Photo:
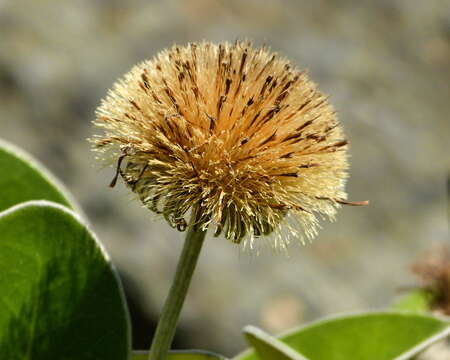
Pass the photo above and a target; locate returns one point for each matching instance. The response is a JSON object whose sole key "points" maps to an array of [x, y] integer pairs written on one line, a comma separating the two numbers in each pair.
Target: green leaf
{"points": [[181, 355], [416, 301], [268, 347], [22, 178], [60, 297], [367, 336]]}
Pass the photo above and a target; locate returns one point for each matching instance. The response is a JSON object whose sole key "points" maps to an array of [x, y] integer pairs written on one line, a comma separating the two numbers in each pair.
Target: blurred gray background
{"points": [[386, 67]]}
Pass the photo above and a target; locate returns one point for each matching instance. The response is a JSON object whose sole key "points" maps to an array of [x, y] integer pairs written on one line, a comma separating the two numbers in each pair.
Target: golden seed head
{"points": [[231, 135]]}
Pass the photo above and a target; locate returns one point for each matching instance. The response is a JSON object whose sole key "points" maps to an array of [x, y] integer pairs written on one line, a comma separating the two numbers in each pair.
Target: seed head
{"points": [[233, 136]]}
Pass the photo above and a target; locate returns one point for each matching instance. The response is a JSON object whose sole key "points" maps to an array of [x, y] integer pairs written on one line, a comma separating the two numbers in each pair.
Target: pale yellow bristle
{"points": [[229, 134]]}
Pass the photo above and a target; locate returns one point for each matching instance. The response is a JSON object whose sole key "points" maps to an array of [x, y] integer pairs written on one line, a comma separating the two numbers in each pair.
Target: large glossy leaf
{"points": [[60, 298], [22, 178], [182, 355], [369, 336]]}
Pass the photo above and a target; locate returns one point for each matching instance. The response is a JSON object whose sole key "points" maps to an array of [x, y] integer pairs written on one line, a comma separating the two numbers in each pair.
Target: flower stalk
{"points": [[171, 311]]}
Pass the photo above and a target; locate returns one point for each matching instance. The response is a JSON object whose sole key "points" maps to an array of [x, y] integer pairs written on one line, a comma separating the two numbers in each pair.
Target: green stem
{"points": [[174, 302]]}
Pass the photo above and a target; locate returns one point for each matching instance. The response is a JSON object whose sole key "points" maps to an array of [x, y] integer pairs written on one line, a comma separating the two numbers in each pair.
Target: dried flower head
{"points": [[433, 271], [229, 134]]}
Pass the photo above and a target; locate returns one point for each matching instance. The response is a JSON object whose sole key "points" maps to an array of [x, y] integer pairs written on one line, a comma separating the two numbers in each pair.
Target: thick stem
{"points": [[174, 302]]}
